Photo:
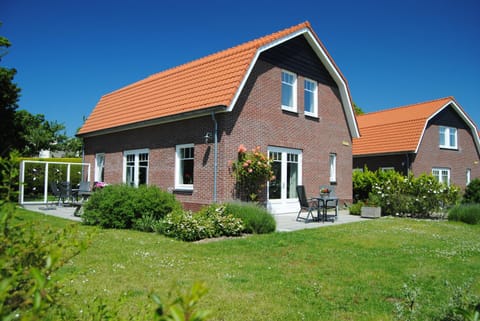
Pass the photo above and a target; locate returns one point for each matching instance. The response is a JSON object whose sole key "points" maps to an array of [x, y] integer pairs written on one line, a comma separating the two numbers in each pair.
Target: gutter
{"points": [[215, 156], [157, 121]]}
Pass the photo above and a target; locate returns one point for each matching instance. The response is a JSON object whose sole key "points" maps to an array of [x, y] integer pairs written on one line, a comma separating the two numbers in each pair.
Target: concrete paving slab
{"points": [[285, 222]]}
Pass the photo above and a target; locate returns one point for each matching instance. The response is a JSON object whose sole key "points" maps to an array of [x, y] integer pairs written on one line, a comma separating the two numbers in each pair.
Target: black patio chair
{"points": [[84, 190], [56, 192], [309, 205], [65, 192]]}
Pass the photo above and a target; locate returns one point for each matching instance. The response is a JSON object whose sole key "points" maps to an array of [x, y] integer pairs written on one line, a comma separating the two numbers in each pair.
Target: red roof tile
{"points": [[395, 130], [203, 83]]}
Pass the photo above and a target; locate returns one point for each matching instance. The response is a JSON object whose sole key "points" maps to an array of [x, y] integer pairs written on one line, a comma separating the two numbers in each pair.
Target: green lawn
{"points": [[344, 272]]}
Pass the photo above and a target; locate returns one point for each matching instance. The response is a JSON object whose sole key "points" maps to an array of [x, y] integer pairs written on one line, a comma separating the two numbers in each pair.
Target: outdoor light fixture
{"points": [[207, 137]]}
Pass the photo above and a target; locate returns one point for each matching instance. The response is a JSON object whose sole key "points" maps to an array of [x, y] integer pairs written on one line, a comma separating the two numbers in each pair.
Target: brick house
{"points": [[179, 129], [434, 137]]}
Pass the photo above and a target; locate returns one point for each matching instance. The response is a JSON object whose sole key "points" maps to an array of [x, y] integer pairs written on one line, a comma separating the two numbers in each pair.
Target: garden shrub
{"points": [[28, 257], [210, 221], [472, 192], [356, 208], [467, 213], [401, 195], [256, 219], [122, 206]]}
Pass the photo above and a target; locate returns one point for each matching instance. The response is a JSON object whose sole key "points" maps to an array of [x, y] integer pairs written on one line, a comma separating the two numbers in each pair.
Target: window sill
{"points": [[448, 148], [290, 109], [183, 190], [310, 115]]}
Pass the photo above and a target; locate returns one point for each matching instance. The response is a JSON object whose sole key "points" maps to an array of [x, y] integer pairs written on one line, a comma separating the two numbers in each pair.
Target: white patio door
{"points": [[287, 168]]}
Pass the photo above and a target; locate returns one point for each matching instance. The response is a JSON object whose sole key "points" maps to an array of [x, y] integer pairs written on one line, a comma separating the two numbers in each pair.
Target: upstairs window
{"points": [[448, 137], [310, 97], [289, 91], [184, 167]]}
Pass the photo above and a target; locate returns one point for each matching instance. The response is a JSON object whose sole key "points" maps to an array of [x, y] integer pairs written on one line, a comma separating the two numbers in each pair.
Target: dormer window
{"points": [[448, 137]]}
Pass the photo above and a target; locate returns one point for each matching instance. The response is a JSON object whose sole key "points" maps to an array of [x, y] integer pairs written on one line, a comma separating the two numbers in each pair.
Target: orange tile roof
{"points": [[395, 130], [203, 83]]}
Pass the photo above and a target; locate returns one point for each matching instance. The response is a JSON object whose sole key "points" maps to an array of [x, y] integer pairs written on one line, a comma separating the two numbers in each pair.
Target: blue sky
{"points": [[70, 53]]}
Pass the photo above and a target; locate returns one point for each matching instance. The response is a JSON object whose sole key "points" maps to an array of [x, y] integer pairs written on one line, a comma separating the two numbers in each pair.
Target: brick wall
{"points": [[457, 160], [257, 119]]}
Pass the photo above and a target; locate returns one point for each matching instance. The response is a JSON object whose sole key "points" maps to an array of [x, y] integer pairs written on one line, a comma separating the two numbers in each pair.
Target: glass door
{"points": [[286, 166]]}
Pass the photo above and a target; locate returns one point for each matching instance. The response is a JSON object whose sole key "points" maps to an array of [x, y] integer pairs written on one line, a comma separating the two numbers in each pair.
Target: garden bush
{"points": [[210, 221], [122, 206], [472, 192], [255, 219], [467, 213], [28, 258], [401, 195]]}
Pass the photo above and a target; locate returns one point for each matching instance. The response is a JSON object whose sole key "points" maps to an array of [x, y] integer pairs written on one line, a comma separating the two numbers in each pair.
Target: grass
{"points": [[343, 272]]}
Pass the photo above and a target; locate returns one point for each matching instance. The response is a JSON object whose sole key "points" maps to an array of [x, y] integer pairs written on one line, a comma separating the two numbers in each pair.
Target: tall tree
{"points": [[9, 95], [34, 133]]}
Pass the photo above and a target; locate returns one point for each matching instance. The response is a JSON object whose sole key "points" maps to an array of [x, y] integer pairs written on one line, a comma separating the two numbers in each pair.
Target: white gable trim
{"points": [[462, 115], [326, 61]]}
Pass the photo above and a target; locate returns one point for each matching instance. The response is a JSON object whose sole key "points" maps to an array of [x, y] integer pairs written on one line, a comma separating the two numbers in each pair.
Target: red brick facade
{"points": [[430, 155], [256, 120]]}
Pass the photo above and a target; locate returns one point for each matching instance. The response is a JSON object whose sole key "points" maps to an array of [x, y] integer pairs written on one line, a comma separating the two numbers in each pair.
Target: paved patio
{"points": [[285, 222]]}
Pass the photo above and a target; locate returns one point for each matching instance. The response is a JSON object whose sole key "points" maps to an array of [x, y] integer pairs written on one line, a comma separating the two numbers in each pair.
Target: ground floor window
{"points": [[100, 167], [135, 169], [184, 166], [333, 167], [442, 175]]}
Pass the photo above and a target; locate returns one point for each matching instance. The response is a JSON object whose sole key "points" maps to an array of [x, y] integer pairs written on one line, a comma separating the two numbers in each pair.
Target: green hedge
{"points": [[122, 206]]}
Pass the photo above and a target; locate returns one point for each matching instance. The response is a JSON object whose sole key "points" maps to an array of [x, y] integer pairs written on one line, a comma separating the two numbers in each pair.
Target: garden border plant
{"points": [[396, 194]]}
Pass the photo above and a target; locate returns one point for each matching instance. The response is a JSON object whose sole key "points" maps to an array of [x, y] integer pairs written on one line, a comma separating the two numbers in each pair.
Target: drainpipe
{"points": [[215, 156]]}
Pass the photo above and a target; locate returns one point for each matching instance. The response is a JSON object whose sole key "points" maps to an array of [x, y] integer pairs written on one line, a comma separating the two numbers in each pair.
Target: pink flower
{"points": [[242, 149], [250, 170], [245, 165]]}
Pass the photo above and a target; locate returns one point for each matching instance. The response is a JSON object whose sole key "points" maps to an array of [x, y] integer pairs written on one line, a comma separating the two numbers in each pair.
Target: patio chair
{"points": [[333, 203], [65, 192], [308, 205], [56, 192], [84, 190]]}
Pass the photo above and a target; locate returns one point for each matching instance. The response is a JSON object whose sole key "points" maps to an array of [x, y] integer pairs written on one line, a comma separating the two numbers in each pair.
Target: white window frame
{"points": [[437, 172], [314, 92], [332, 161], [387, 168], [136, 153], [99, 167], [469, 176], [447, 132], [178, 185], [294, 92]]}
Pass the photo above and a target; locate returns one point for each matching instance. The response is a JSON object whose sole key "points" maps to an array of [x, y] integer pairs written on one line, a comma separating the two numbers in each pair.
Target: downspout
{"points": [[215, 156]]}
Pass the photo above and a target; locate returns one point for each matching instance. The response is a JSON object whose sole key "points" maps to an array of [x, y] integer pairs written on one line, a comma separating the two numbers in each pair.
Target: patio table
{"points": [[323, 205]]}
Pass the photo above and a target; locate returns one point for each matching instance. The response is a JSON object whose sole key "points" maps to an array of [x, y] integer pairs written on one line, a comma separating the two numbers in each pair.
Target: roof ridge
{"points": [[257, 43], [406, 106]]}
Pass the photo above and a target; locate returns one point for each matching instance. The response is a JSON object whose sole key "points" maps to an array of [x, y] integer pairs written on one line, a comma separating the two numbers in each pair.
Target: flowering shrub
{"points": [[251, 170], [211, 221], [404, 195]]}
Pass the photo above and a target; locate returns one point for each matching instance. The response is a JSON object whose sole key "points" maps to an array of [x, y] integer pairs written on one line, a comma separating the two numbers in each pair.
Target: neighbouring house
{"points": [[178, 129], [435, 137]]}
